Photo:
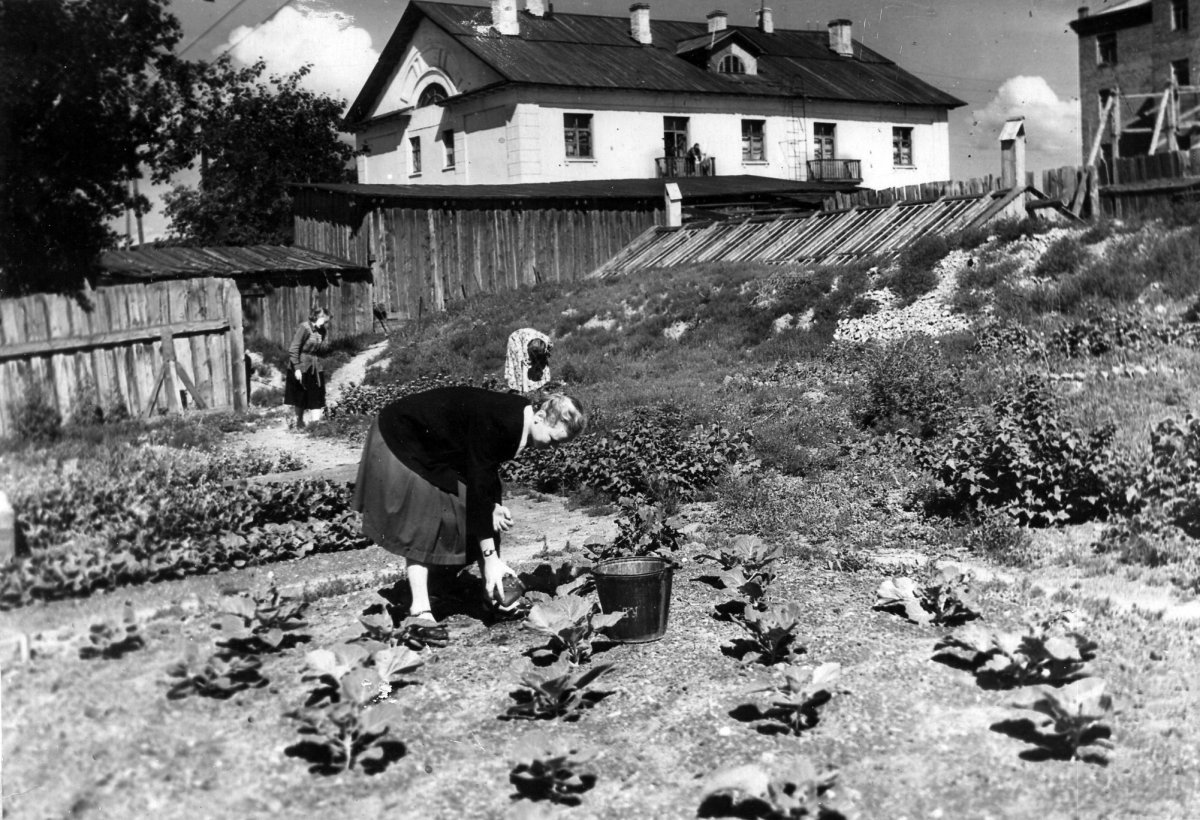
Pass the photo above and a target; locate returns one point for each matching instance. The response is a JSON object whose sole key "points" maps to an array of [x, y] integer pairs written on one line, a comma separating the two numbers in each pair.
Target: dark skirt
{"points": [[404, 513], [308, 394]]}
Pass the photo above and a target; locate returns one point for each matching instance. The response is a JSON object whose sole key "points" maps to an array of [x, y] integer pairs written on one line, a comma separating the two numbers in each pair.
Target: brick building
{"points": [[1138, 64]]}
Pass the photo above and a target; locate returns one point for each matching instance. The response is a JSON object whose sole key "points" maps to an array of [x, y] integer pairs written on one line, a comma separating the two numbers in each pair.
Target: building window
{"points": [[431, 95], [448, 149], [1106, 48], [675, 136], [1181, 72], [1179, 15], [902, 146], [824, 146], [753, 144], [577, 131], [414, 155], [731, 64]]}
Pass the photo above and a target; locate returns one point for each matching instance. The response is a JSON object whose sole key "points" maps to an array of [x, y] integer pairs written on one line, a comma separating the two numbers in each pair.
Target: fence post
{"points": [[8, 530], [237, 347]]}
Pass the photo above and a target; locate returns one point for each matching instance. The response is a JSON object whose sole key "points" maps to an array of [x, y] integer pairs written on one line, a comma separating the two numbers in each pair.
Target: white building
{"points": [[470, 95]]}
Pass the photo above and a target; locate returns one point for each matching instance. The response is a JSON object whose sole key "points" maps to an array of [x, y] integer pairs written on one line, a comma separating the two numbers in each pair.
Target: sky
{"points": [[1003, 58]]}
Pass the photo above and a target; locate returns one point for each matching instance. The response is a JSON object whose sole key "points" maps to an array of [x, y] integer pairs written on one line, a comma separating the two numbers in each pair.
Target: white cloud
{"points": [[1051, 124], [339, 51]]}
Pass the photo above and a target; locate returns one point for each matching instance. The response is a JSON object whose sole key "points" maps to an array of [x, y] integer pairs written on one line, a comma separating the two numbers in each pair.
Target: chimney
{"points": [[1012, 153], [839, 38], [1083, 12], [536, 8], [717, 21], [639, 23], [504, 17], [766, 21]]}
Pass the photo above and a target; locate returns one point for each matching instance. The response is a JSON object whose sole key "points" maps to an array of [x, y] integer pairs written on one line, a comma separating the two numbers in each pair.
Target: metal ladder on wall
{"points": [[795, 146]]}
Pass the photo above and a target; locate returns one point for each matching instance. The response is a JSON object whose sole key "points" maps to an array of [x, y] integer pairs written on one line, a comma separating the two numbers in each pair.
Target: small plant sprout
{"points": [[380, 631], [772, 632], [947, 600], [570, 623], [258, 624], [642, 529], [353, 726], [559, 690], [1073, 714], [108, 641], [797, 791], [803, 690], [1042, 655], [218, 676], [548, 768]]}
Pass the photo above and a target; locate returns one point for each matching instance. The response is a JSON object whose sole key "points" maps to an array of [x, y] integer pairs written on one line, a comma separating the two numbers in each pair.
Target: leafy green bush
{"points": [[1022, 458], [910, 386], [1064, 257], [915, 273], [654, 455], [35, 415]]}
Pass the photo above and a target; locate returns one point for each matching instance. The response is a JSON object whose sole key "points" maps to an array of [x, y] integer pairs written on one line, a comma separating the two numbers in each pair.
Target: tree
{"points": [[254, 136], [90, 91]]}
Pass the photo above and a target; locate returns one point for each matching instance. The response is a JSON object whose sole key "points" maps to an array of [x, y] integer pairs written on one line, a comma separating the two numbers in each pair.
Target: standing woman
{"points": [[429, 481], [305, 385]]}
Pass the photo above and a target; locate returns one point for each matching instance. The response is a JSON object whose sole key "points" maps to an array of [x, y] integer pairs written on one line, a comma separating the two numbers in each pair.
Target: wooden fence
{"points": [[1133, 186], [273, 310], [129, 348], [423, 258]]}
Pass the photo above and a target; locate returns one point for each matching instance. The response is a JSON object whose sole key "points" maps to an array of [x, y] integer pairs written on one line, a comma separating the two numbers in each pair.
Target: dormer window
{"points": [[431, 95], [731, 64]]}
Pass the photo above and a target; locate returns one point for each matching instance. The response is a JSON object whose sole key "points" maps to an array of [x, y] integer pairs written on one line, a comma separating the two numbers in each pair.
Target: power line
{"points": [[268, 19], [208, 30]]}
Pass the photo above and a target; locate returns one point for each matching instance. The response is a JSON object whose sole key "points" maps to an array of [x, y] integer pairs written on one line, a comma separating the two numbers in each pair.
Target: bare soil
{"points": [[911, 735]]}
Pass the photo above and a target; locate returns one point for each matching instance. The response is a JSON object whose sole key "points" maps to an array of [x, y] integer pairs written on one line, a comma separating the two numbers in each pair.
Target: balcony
{"points": [[835, 170], [669, 167]]}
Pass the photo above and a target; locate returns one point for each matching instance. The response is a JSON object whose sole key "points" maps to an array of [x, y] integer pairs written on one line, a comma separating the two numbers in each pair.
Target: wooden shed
{"points": [[278, 284]]}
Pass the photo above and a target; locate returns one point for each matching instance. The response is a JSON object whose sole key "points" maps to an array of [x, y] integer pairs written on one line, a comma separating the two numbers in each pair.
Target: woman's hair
{"points": [[317, 312], [539, 357], [566, 409]]}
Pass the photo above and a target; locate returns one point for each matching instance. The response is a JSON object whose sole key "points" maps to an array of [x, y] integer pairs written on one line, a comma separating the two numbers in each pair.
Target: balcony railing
{"points": [[685, 167], [835, 170]]}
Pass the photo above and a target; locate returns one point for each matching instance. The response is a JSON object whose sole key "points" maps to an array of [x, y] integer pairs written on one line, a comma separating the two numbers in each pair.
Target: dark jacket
{"points": [[453, 434], [307, 347]]}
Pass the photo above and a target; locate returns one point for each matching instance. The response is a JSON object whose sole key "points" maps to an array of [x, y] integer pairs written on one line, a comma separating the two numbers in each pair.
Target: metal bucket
{"points": [[639, 587]]}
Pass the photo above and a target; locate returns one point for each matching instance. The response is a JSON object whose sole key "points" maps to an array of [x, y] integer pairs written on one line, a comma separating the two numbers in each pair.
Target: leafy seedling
{"points": [[548, 768], [1073, 714], [1042, 655], [559, 690], [803, 690], [108, 641], [570, 623], [746, 551], [753, 791], [220, 676], [379, 629], [772, 632], [547, 582], [252, 625], [947, 600], [353, 724]]}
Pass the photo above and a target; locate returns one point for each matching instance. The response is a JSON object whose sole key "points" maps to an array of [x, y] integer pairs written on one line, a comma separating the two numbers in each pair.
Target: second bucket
{"points": [[639, 587]]}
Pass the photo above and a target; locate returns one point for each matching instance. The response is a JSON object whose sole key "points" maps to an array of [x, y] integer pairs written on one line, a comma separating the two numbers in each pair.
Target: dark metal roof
{"points": [[1123, 15], [254, 260], [695, 190], [597, 52]]}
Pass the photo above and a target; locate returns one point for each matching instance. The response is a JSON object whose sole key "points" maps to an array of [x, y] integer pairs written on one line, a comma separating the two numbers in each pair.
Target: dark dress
{"points": [[304, 354], [430, 472]]}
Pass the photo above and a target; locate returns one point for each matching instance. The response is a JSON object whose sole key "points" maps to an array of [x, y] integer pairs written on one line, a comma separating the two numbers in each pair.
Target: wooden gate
{"points": [[130, 348]]}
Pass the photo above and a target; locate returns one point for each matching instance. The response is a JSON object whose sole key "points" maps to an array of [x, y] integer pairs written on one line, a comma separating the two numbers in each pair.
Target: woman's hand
{"points": [[299, 375], [502, 519], [494, 571]]}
